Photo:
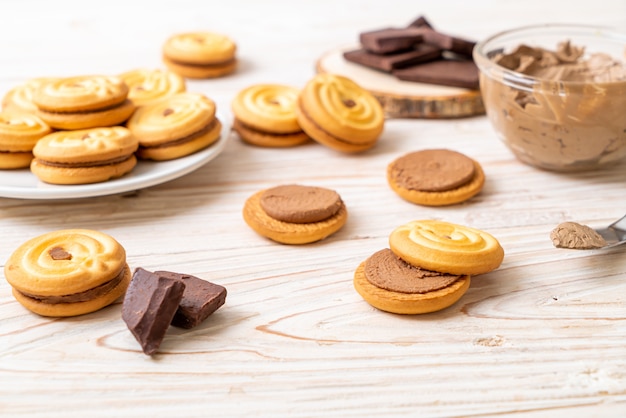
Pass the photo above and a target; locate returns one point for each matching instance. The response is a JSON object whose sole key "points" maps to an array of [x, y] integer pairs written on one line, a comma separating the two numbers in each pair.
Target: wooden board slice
{"points": [[404, 99]]}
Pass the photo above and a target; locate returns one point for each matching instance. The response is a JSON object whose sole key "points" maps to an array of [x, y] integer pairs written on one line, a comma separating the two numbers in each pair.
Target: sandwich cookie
{"points": [[20, 98], [200, 54], [338, 113], [84, 156], [174, 127], [19, 132], [83, 102], [435, 177], [295, 214], [149, 86], [68, 272], [265, 116], [427, 268]]}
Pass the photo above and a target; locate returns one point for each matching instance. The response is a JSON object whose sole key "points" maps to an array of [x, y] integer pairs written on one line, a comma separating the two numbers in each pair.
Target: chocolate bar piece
{"points": [[455, 73], [384, 41], [387, 63], [421, 22], [149, 306], [448, 42], [200, 299]]}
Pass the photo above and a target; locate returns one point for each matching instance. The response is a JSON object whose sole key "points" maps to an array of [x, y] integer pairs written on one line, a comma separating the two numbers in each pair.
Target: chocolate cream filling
{"points": [[184, 139], [260, 131], [85, 296], [111, 161], [208, 65], [83, 112]]}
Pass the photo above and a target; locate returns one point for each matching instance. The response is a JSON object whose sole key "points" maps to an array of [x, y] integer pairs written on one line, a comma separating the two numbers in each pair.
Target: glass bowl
{"points": [[553, 124]]}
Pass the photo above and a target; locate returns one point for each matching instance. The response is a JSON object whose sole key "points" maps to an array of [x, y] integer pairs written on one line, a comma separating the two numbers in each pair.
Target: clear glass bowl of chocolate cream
{"points": [[556, 94]]}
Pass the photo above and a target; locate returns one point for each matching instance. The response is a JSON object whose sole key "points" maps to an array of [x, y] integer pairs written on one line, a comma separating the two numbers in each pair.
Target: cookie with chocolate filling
{"points": [[295, 214], [435, 177], [83, 102], [175, 127], [68, 272], [84, 156], [19, 132], [200, 54]]}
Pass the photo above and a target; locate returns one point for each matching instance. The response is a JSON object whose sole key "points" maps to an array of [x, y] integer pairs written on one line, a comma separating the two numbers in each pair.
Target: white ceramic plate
{"points": [[23, 184]]}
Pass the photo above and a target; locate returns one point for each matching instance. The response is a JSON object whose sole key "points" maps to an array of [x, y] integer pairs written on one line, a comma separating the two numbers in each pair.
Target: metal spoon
{"points": [[614, 234]]}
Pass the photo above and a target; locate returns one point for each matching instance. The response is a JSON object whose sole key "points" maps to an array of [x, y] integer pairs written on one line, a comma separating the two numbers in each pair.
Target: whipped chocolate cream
{"points": [[575, 236], [300, 204], [387, 271], [569, 116]]}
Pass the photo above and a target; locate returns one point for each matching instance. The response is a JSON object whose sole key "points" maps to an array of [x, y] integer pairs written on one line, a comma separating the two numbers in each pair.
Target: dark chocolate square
{"points": [[454, 73], [419, 53]]}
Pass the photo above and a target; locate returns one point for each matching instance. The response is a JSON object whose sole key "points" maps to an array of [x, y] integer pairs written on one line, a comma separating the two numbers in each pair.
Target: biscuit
{"points": [[19, 132], [149, 86], [265, 116], [20, 98], [84, 156], [391, 284], [83, 102], [435, 177], [68, 272], [174, 127], [446, 247], [200, 54], [295, 214], [338, 113]]}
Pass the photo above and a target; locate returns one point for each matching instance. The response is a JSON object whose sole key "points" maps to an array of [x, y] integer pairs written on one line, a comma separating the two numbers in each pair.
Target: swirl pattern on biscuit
{"points": [[266, 104], [200, 46], [448, 237], [82, 88], [343, 100], [180, 109], [146, 86], [88, 254], [21, 97], [22, 129]]}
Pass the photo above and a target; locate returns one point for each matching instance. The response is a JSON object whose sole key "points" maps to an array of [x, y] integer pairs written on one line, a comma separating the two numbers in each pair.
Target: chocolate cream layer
{"points": [[111, 161], [184, 139]]}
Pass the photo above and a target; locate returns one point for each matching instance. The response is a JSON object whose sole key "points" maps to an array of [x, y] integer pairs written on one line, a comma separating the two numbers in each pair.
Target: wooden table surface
{"points": [[543, 335]]}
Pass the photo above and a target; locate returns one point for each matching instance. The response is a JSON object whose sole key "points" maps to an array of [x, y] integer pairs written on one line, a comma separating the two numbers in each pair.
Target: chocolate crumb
{"points": [[168, 112], [58, 253], [349, 102]]}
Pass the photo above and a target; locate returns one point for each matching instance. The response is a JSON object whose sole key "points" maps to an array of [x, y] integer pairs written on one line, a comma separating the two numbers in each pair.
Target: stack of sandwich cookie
{"points": [[84, 156], [175, 127], [200, 54], [435, 177], [68, 272], [20, 98], [295, 214], [83, 102], [19, 132], [427, 268], [149, 86], [338, 113], [265, 116]]}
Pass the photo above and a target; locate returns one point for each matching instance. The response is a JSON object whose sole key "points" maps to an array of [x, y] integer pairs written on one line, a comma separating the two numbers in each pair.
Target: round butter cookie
{"points": [[84, 156], [68, 272], [200, 54], [19, 132], [20, 98], [338, 113], [295, 214], [176, 126], [446, 247], [265, 116], [435, 177], [390, 284], [83, 102], [149, 86]]}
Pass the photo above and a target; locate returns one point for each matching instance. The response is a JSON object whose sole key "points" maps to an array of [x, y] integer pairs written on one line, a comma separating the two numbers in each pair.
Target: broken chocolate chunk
{"points": [[384, 41], [454, 73], [420, 53], [149, 306], [58, 253], [448, 43], [200, 299], [421, 22]]}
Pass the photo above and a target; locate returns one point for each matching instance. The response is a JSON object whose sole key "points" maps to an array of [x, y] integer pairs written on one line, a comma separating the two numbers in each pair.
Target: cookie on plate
{"points": [[20, 98], [435, 177], [83, 102], [19, 132], [265, 116], [340, 114], [427, 268], [148, 86], [84, 156], [295, 214], [200, 54], [175, 127], [68, 272]]}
